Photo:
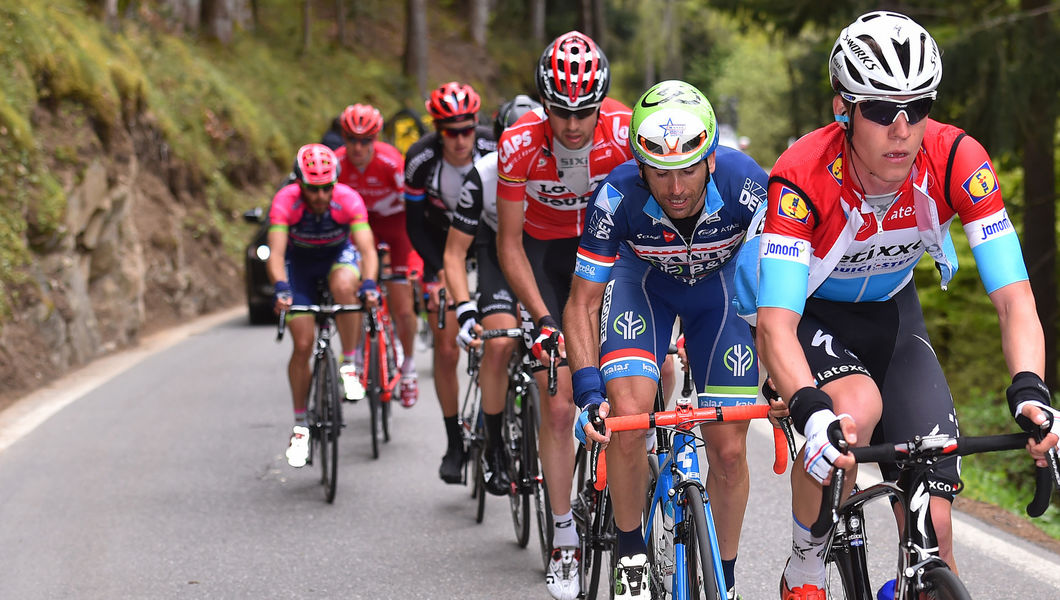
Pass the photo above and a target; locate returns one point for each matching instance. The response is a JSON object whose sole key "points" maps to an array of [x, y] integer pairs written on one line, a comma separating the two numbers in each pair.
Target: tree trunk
{"points": [[307, 14], [585, 17], [599, 22], [1039, 217], [416, 44], [480, 16], [537, 21], [671, 67], [340, 17], [110, 14], [219, 17]]}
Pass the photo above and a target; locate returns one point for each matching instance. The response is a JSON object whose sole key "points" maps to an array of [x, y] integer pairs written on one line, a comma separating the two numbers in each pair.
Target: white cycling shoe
{"points": [[561, 578], [298, 449]]}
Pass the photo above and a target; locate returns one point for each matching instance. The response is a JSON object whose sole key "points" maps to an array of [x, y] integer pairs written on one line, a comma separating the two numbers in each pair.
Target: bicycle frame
{"points": [[679, 469]]}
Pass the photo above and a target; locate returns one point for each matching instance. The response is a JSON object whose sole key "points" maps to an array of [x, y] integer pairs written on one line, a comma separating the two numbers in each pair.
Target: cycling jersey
{"points": [[821, 238], [528, 170], [381, 183], [432, 187], [625, 220], [311, 235], [478, 197]]}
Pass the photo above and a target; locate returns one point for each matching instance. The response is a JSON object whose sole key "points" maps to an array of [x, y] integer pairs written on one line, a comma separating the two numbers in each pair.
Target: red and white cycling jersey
{"points": [[382, 182], [527, 170]]}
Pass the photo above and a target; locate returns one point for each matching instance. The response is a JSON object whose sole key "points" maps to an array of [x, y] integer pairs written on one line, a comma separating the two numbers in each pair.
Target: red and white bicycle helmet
{"points": [[361, 120], [453, 101], [316, 164], [573, 72], [885, 53]]}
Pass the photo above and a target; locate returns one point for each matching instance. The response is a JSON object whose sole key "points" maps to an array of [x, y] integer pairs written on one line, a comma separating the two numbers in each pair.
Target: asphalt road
{"points": [[159, 473]]}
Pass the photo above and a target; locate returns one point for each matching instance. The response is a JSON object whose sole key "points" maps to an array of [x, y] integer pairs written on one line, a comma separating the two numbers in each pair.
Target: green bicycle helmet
{"points": [[673, 126]]}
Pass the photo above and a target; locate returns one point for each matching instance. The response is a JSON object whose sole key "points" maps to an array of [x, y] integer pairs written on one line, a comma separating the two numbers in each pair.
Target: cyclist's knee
{"points": [[498, 352], [558, 417]]}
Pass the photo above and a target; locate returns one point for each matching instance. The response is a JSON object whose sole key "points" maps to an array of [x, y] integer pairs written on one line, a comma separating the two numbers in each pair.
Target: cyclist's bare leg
{"points": [[627, 464], [556, 442], [302, 328], [399, 299], [728, 481], [446, 357], [344, 282], [493, 371], [669, 380]]}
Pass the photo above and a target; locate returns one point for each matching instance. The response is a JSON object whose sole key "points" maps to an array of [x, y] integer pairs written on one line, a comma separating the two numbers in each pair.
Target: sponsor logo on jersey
{"points": [[981, 184], [629, 325], [605, 311], [609, 198], [669, 236], [600, 223], [738, 359], [752, 194], [785, 248], [792, 206], [512, 144], [835, 169], [989, 228]]}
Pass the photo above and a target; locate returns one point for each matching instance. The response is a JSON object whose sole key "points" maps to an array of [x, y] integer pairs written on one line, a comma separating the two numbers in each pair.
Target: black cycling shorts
{"points": [[887, 341], [494, 293]]}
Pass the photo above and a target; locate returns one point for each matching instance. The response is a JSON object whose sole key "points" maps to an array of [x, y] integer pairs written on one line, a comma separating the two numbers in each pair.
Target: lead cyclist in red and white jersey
{"points": [[851, 209], [552, 160]]}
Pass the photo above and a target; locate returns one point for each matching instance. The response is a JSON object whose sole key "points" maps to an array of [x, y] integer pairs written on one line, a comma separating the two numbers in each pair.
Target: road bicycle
{"points": [[679, 527], [921, 573], [324, 405], [381, 371]]}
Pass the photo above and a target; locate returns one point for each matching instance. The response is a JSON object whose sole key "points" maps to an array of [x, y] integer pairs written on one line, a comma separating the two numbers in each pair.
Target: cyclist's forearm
{"points": [[275, 266], [581, 320], [1022, 337], [779, 348], [454, 262]]}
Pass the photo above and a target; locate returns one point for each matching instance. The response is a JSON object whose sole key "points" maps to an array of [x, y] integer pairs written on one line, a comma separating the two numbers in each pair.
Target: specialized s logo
{"points": [[792, 206], [981, 184], [629, 325], [739, 359], [835, 169]]}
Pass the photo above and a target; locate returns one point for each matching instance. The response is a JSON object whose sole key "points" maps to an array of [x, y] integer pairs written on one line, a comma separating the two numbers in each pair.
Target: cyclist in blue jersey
{"points": [[661, 232], [852, 207]]}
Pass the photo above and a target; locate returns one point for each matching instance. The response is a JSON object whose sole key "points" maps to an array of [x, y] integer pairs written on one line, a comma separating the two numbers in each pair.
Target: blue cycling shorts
{"points": [[305, 269], [639, 309]]}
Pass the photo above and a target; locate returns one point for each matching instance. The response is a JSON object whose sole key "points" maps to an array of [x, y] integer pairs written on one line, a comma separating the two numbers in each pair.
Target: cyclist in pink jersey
{"points": [[552, 160], [318, 229], [377, 171]]}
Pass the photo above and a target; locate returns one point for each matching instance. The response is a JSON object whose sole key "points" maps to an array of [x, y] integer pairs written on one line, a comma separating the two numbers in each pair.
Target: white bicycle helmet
{"points": [[885, 53]]}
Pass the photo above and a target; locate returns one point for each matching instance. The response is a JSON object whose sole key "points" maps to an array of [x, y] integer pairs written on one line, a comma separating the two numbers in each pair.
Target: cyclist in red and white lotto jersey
{"points": [[435, 167], [377, 171], [552, 160], [318, 229], [852, 207]]}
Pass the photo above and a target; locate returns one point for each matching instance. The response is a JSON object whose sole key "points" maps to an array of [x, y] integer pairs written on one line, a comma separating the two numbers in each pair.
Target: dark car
{"points": [[259, 288]]}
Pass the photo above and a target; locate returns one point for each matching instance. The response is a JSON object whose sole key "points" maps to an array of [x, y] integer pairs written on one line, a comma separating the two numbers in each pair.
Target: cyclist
{"points": [[662, 231], [376, 170], [318, 229], [435, 167], [552, 161], [475, 221], [852, 208]]}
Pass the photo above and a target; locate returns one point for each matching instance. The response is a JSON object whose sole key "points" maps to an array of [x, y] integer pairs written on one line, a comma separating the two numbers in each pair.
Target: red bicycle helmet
{"points": [[316, 164], [573, 72], [361, 120], [453, 101]]}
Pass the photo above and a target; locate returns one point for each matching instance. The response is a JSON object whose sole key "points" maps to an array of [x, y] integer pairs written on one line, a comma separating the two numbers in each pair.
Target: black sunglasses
{"points": [[456, 132], [566, 113], [885, 112], [362, 141], [327, 187]]}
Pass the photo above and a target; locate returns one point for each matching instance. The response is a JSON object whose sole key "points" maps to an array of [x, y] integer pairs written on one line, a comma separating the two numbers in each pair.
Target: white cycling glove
{"points": [[820, 454], [467, 315]]}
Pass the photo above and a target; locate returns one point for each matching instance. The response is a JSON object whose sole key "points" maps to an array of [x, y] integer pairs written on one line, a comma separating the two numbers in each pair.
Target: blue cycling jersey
{"points": [[625, 220]]}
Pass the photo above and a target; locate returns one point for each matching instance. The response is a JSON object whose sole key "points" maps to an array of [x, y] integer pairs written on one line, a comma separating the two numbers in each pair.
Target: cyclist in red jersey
{"points": [[553, 161], [318, 229], [377, 171], [435, 167], [852, 207]]}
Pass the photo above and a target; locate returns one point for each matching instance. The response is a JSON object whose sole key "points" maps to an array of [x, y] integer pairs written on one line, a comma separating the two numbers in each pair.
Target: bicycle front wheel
{"points": [[372, 391], [330, 422], [515, 440], [941, 583], [661, 541], [700, 552]]}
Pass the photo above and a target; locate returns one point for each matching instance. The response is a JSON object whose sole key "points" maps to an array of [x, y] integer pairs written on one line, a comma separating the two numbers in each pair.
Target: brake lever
{"points": [[281, 325], [787, 425]]}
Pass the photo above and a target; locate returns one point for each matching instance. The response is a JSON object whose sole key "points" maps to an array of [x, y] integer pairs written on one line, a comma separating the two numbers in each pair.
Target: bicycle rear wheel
{"points": [[516, 438], [602, 547], [941, 583], [478, 448], [539, 487], [372, 392], [700, 551]]}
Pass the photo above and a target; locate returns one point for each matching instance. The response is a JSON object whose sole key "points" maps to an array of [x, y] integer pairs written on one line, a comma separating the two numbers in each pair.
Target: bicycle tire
{"points": [[331, 424], [542, 505], [941, 583], [515, 435], [699, 554], [660, 542], [372, 392], [391, 361], [602, 551], [478, 455]]}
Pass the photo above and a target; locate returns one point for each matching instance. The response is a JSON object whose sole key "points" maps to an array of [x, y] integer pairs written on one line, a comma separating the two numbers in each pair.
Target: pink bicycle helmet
{"points": [[316, 164]]}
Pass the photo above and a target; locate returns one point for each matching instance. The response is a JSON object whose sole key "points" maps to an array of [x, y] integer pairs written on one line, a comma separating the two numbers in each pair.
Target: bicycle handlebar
{"points": [[324, 309], [936, 446]]}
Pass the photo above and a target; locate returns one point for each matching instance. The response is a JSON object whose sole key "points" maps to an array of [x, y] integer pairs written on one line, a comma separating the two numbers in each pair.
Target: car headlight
{"points": [[262, 252]]}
